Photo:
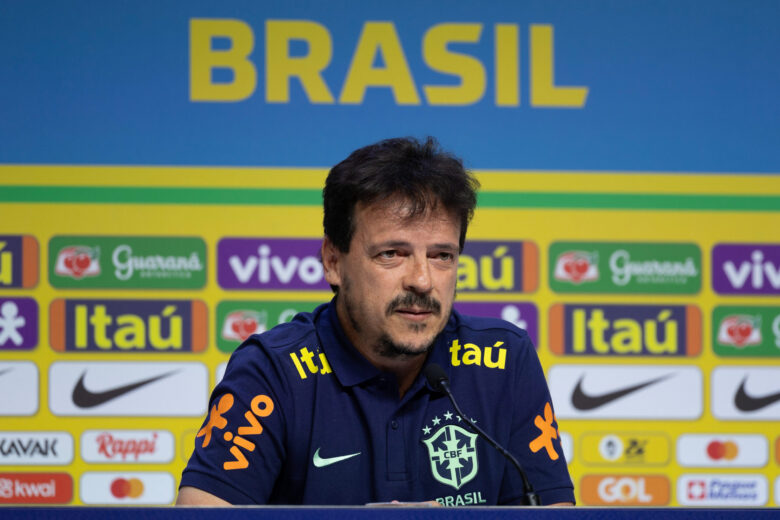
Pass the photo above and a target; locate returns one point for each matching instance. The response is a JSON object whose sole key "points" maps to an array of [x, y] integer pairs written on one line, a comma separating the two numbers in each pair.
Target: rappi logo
{"points": [[112, 448], [78, 262], [740, 330], [241, 324], [127, 488], [577, 267]]}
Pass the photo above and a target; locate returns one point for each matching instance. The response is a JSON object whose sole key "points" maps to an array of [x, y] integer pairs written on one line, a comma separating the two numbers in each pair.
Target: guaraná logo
{"points": [[78, 262]]}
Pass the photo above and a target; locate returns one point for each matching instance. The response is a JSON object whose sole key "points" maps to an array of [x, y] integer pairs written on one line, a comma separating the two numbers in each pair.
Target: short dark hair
{"points": [[419, 173]]}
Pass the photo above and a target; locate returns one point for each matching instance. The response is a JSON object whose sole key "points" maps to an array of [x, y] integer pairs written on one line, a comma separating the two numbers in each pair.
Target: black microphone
{"points": [[439, 381]]}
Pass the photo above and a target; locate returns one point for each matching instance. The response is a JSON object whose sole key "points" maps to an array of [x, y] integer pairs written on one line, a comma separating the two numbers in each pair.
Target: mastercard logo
{"points": [[127, 488], [722, 450]]}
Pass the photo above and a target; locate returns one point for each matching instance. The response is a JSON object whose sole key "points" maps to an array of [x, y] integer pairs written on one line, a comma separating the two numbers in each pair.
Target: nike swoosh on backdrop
{"points": [[321, 462], [84, 398], [748, 403], [5, 371], [582, 401]]}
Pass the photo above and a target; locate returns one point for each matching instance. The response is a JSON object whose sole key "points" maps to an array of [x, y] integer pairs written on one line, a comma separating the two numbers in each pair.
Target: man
{"points": [[333, 408]]}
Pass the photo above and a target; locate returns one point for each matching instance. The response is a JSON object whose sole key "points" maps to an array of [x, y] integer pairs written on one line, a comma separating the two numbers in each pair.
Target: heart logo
{"points": [[740, 332], [77, 264], [244, 328], [576, 268]]}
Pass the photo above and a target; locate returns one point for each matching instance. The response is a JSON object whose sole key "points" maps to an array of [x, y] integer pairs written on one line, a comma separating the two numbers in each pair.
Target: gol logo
{"points": [[722, 450], [631, 490], [127, 488]]}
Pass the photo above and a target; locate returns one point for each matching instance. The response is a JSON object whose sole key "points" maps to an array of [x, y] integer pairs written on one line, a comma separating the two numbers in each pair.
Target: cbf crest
{"points": [[453, 454]]}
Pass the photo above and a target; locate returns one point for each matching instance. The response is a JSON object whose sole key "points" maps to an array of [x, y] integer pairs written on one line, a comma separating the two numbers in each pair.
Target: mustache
{"points": [[421, 301]]}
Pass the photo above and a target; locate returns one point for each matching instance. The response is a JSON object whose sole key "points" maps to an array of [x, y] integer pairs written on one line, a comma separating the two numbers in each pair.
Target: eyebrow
{"points": [[449, 246]]}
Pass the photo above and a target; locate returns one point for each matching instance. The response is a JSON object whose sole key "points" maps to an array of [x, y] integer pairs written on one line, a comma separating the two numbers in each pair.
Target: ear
{"points": [[331, 262]]}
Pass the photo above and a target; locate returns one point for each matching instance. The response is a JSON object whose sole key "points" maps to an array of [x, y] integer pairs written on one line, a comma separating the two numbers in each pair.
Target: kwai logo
{"points": [[452, 451], [270, 263], [36, 488], [135, 262], [625, 330], [746, 269], [18, 323], [746, 331], [127, 446], [633, 267], [498, 266], [18, 261], [577, 267], [128, 325], [77, 262]]}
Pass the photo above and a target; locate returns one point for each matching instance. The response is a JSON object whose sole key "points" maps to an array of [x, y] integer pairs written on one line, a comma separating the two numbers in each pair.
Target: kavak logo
{"points": [[746, 393], [717, 450], [521, 314], [139, 487], [20, 380], [746, 331], [127, 446], [630, 268], [626, 391], [452, 450], [576, 266], [35, 448], [76, 261], [36, 488], [746, 269], [128, 325], [142, 389], [270, 263], [625, 330], [626, 448], [237, 320], [498, 266], [625, 490], [127, 262], [722, 490], [18, 261], [18, 323]]}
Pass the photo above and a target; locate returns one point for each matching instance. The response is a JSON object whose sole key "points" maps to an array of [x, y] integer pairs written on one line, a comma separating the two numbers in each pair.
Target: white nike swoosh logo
{"points": [[321, 462]]}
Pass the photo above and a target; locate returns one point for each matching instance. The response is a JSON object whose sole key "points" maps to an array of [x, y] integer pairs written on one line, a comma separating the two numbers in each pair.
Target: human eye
{"points": [[388, 254], [445, 256]]}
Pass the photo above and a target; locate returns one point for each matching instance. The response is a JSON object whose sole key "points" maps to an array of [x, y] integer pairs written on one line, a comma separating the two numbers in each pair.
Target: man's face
{"points": [[397, 283]]}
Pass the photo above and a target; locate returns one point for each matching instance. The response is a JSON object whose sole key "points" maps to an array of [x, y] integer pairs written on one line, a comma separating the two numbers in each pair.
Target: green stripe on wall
{"points": [[312, 197]]}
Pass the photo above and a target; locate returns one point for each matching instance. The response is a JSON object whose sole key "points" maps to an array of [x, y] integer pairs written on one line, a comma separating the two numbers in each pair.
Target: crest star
{"points": [[426, 430], [459, 419], [436, 420], [448, 415]]}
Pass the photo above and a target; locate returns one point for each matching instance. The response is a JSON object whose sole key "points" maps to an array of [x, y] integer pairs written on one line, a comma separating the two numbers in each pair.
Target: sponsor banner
{"points": [[746, 393], [139, 487], [722, 490], [777, 491], [716, 450], [35, 448], [625, 268], [18, 323], [625, 490], [187, 444], [626, 391], [625, 330], [36, 488], [97, 262], [18, 379], [142, 389], [270, 263], [498, 266], [746, 269], [127, 446], [237, 320], [18, 261], [521, 314], [777, 450], [128, 325], [567, 445], [746, 331], [219, 372], [625, 449]]}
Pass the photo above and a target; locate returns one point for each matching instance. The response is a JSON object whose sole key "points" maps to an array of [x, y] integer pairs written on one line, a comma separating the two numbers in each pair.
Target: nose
{"points": [[418, 277]]}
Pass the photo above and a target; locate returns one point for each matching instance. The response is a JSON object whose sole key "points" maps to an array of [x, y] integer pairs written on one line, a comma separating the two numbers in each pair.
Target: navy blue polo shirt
{"points": [[301, 417]]}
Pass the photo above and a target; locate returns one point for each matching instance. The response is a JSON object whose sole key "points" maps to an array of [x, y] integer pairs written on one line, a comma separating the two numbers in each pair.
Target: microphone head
{"points": [[436, 376]]}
